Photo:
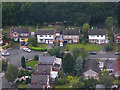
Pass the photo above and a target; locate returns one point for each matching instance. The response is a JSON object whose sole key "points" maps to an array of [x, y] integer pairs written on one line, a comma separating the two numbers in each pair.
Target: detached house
{"points": [[21, 33], [46, 36], [71, 36], [97, 36], [91, 69], [117, 38]]}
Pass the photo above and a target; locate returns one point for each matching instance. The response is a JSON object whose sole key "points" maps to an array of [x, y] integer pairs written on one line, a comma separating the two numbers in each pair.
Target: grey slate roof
{"points": [[70, 32], [97, 32], [45, 32], [110, 64], [20, 29], [39, 79], [43, 69], [91, 64], [46, 60]]}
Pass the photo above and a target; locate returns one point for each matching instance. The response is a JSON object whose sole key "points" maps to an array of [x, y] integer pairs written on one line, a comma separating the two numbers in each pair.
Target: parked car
{"points": [[27, 49], [26, 43], [29, 68], [117, 53], [93, 53], [22, 43], [5, 53]]}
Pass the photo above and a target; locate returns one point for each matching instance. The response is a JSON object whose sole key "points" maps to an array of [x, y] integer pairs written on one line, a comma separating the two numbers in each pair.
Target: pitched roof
{"points": [[45, 32], [110, 64], [70, 32], [117, 67], [97, 32], [39, 79], [35, 86], [91, 64], [43, 69], [20, 29], [46, 59]]}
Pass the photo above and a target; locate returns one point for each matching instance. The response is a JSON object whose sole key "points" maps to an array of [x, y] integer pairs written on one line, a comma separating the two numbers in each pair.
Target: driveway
{"points": [[16, 54]]}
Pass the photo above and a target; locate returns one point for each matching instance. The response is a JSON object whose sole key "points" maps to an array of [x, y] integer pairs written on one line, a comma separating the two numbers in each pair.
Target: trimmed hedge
{"points": [[6, 46], [37, 48]]}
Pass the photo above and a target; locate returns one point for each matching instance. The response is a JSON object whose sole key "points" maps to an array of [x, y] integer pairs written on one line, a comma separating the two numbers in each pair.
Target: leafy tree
{"points": [[23, 63], [79, 52], [11, 73], [33, 41], [36, 57], [109, 47], [21, 73], [4, 65], [106, 79], [79, 64], [68, 63]]}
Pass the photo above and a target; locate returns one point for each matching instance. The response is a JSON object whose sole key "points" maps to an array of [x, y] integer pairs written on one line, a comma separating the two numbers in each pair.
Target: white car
{"points": [[27, 49], [5, 53]]}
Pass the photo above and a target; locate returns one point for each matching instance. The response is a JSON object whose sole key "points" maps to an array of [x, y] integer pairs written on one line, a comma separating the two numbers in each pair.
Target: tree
{"points": [[106, 79], [36, 57], [23, 63], [11, 73], [4, 65], [79, 64], [33, 41], [109, 47], [79, 52], [68, 63], [21, 73]]}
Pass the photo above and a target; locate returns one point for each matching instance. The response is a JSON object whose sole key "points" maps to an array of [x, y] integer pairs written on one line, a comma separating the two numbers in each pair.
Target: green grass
{"points": [[22, 86], [42, 45], [88, 47], [62, 86], [32, 63]]}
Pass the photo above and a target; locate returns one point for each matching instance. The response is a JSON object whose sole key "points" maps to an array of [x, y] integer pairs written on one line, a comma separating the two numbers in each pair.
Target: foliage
{"points": [[36, 57], [73, 13], [68, 63], [116, 82], [106, 79], [37, 48], [79, 52], [61, 81], [33, 41], [56, 51], [11, 73], [20, 73], [5, 47], [4, 65], [109, 47], [79, 64], [23, 64]]}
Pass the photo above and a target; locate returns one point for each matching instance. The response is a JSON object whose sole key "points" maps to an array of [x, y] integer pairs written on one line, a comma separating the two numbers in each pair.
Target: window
{"points": [[93, 40], [45, 35], [101, 35], [40, 35], [69, 36], [25, 34], [75, 40], [21, 34], [97, 35], [50, 36]]}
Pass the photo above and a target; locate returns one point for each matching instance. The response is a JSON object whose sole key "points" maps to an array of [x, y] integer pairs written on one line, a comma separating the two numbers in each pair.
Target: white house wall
{"points": [[95, 37]]}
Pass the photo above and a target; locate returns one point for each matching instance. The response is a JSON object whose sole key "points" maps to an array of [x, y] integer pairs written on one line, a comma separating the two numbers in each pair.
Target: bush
{"points": [[36, 57], [37, 48], [5, 47], [62, 81], [21, 73], [109, 47]]}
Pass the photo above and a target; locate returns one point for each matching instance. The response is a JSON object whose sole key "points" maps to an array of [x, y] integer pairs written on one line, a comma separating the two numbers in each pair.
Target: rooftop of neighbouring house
{"points": [[97, 32], [117, 67], [43, 69], [30, 86], [110, 64], [45, 32], [71, 32], [91, 64]]}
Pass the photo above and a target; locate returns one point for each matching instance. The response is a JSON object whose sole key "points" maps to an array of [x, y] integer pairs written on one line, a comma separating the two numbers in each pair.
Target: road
{"points": [[16, 54]]}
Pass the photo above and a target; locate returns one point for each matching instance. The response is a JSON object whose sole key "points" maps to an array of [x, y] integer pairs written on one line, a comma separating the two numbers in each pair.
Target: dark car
{"points": [[22, 43], [117, 53], [29, 68], [26, 43], [93, 53]]}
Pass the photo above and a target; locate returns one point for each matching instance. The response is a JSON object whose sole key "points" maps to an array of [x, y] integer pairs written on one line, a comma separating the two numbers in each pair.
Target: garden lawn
{"points": [[88, 47], [62, 86], [32, 63], [22, 86], [42, 45]]}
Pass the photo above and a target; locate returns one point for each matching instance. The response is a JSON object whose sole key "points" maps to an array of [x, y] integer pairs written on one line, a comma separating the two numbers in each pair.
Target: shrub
{"points": [[36, 57], [62, 81], [37, 48], [7, 46], [109, 47], [21, 73]]}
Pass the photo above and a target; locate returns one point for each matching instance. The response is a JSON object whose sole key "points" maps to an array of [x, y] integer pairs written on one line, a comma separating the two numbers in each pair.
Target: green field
{"points": [[32, 63], [22, 86], [42, 45], [88, 47]]}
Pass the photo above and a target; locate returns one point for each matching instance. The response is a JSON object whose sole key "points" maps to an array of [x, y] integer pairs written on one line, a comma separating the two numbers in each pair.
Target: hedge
{"points": [[6, 46], [37, 48]]}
